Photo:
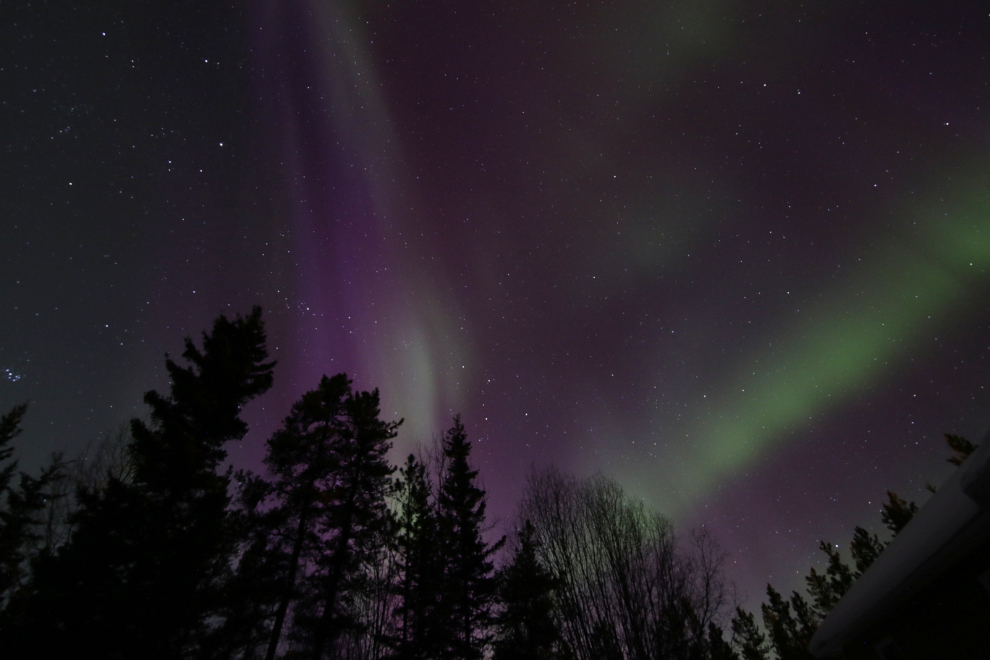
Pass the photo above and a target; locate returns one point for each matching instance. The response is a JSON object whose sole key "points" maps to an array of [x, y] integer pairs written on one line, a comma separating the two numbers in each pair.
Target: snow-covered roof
{"points": [[952, 522]]}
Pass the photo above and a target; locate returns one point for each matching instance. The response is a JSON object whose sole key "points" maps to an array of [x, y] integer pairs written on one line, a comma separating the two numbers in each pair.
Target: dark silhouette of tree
{"points": [[747, 636], [626, 589], [961, 448], [897, 512], [23, 529], [718, 648], [89, 471], [604, 642], [13, 526], [469, 584], [865, 548], [251, 595], [790, 631], [303, 465], [420, 565], [352, 517], [326, 557], [10, 428], [526, 625], [317, 529], [827, 588], [373, 604], [144, 565]]}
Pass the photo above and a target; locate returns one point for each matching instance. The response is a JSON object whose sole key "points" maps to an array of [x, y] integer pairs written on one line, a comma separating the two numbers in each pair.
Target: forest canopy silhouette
{"points": [[151, 549]]}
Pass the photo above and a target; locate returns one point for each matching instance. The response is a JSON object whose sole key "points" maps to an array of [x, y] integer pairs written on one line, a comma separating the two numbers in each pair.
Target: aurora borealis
{"points": [[736, 255]]}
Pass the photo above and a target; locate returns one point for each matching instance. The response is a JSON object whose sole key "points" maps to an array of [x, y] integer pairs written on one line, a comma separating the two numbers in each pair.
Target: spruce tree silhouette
{"points": [[527, 625], [21, 506], [143, 569], [469, 586], [420, 634]]}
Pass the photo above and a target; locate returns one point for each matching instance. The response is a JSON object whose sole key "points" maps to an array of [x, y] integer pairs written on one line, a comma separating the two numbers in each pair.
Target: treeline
{"points": [[789, 623], [148, 548], [145, 547]]}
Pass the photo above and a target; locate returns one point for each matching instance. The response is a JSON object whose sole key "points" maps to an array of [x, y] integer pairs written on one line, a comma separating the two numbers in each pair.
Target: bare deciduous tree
{"points": [[628, 587], [102, 460]]}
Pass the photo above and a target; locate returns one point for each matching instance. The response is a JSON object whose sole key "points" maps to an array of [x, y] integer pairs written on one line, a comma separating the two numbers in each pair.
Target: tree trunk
{"points": [[324, 630], [283, 606]]}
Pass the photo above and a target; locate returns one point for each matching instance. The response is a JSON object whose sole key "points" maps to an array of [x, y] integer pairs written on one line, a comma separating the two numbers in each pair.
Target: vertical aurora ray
{"points": [[369, 296]]}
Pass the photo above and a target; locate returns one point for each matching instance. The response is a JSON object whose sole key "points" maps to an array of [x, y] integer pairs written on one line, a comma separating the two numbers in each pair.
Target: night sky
{"points": [[734, 254]]}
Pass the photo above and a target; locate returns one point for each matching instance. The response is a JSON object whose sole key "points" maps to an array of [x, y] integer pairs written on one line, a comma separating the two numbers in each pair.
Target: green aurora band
{"points": [[905, 297]]}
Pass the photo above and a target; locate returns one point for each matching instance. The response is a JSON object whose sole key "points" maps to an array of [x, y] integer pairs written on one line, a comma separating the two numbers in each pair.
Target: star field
{"points": [[736, 255]]}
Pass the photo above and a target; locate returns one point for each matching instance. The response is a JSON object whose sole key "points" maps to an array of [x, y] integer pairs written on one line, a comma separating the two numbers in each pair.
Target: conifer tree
{"points": [[469, 586], [142, 570], [251, 595], [827, 588], [21, 506], [314, 522], [526, 626], [747, 636], [10, 428], [303, 465], [718, 648], [865, 548], [897, 512], [961, 448], [352, 520], [420, 565], [789, 632], [13, 527], [22, 526]]}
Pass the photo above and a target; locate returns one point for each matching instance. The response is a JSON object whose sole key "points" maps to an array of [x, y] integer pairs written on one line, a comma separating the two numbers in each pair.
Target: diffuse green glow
{"points": [[915, 290], [425, 360], [836, 349]]}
